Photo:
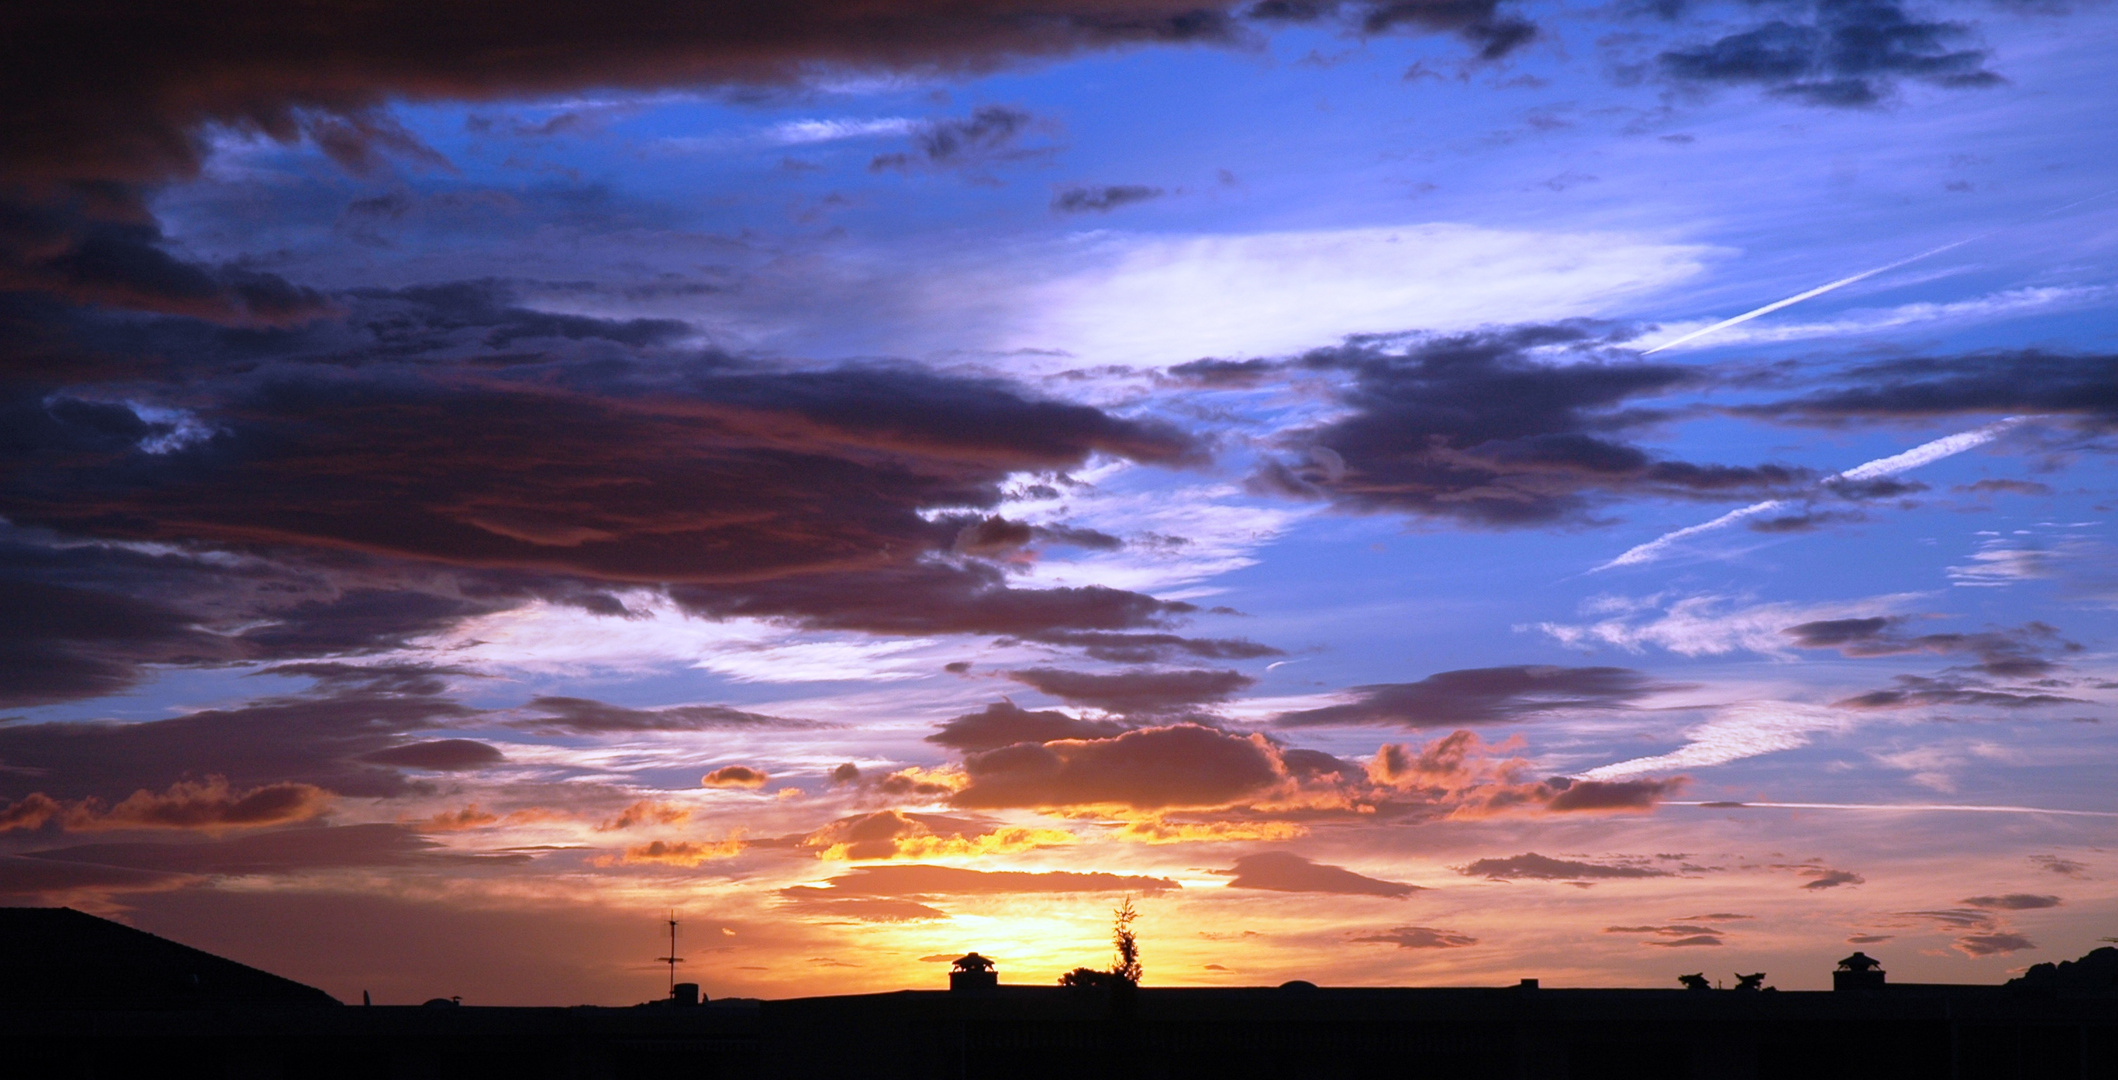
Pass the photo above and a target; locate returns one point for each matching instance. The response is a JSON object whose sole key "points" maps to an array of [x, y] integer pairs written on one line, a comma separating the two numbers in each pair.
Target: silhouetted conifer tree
{"points": [[1127, 965]]}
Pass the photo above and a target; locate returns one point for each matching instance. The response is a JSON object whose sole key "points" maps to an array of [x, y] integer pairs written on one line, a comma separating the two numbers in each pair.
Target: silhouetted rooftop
{"points": [[59, 958]]}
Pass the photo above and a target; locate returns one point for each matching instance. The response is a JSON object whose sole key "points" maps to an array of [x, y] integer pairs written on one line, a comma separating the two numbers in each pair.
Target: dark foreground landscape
{"points": [[86, 999]]}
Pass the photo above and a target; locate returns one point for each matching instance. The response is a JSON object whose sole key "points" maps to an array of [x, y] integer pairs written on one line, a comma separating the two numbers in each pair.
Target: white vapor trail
{"points": [[1924, 454], [1898, 808], [1799, 297]]}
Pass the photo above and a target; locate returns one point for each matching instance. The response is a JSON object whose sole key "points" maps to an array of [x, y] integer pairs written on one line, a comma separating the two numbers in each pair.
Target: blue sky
{"points": [[854, 482]]}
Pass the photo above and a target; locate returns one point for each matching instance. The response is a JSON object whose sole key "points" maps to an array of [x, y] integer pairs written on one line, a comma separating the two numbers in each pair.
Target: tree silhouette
{"points": [[1125, 966]]}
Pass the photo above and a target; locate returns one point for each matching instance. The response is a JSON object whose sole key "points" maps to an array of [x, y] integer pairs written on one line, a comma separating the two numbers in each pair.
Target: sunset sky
{"points": [[886, 479]]}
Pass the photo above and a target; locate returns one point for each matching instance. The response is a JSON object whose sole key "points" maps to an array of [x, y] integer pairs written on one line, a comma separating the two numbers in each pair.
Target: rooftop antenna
{"points": [[672, 959]]}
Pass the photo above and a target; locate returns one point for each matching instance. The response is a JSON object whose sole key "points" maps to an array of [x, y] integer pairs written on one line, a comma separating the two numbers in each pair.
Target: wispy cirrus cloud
{"points": [[1711, 624], [1733, 733]]}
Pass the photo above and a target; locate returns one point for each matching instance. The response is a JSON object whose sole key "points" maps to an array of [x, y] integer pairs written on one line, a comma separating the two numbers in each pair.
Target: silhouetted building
{"points": [[59, 958], [1858, 972], [971, 973]]}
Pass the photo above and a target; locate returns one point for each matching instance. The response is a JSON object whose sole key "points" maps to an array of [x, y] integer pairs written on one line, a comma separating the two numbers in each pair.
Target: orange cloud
{"points": [[1471, 779], [735, 776], [1154, 830], [1454, 763], [679, 852], [470, 817], [30, 812], [188, 804], [914, 780], [889, 834], [473, 816], [650, 812]]}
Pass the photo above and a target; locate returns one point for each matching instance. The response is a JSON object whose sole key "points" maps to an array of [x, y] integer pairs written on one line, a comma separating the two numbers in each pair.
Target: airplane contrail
{"points": [[1899, 807], [1799, 297], [1925, 453]]}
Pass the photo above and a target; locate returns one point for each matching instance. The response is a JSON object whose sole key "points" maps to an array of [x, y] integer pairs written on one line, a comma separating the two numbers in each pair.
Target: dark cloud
{"points": [[101, 115], [1479, 429], [1482, 696], [444, 755], [86, 619], [1603, 796], [93, 241], [1478, 22], [618, 473], [2053, 864], [2010, 487], [1137, 692], [1979, 933], [937, 598], [1316, 764], [989, 134], [2012, 902], [277, 852], [2019, 653], [1679, 936], [1993, 944], [59, 643], [1843, 53], [1227, 374], [2021, 381], [1543, 868], [1917, 690], [1072, 536], [993, 536], [57, 881], [591, 457], [1280, 871], [996, 536], [1102, 200], [321, 738], [809, 900], [1182, 765], [1004, 723], [1420, 937], [1808, 519], [1124, 648], [588, 717], [1823, 878]]}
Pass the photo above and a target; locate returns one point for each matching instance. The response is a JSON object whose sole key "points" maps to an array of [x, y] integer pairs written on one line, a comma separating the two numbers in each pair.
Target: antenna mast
{"points": [[672, 959]]}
